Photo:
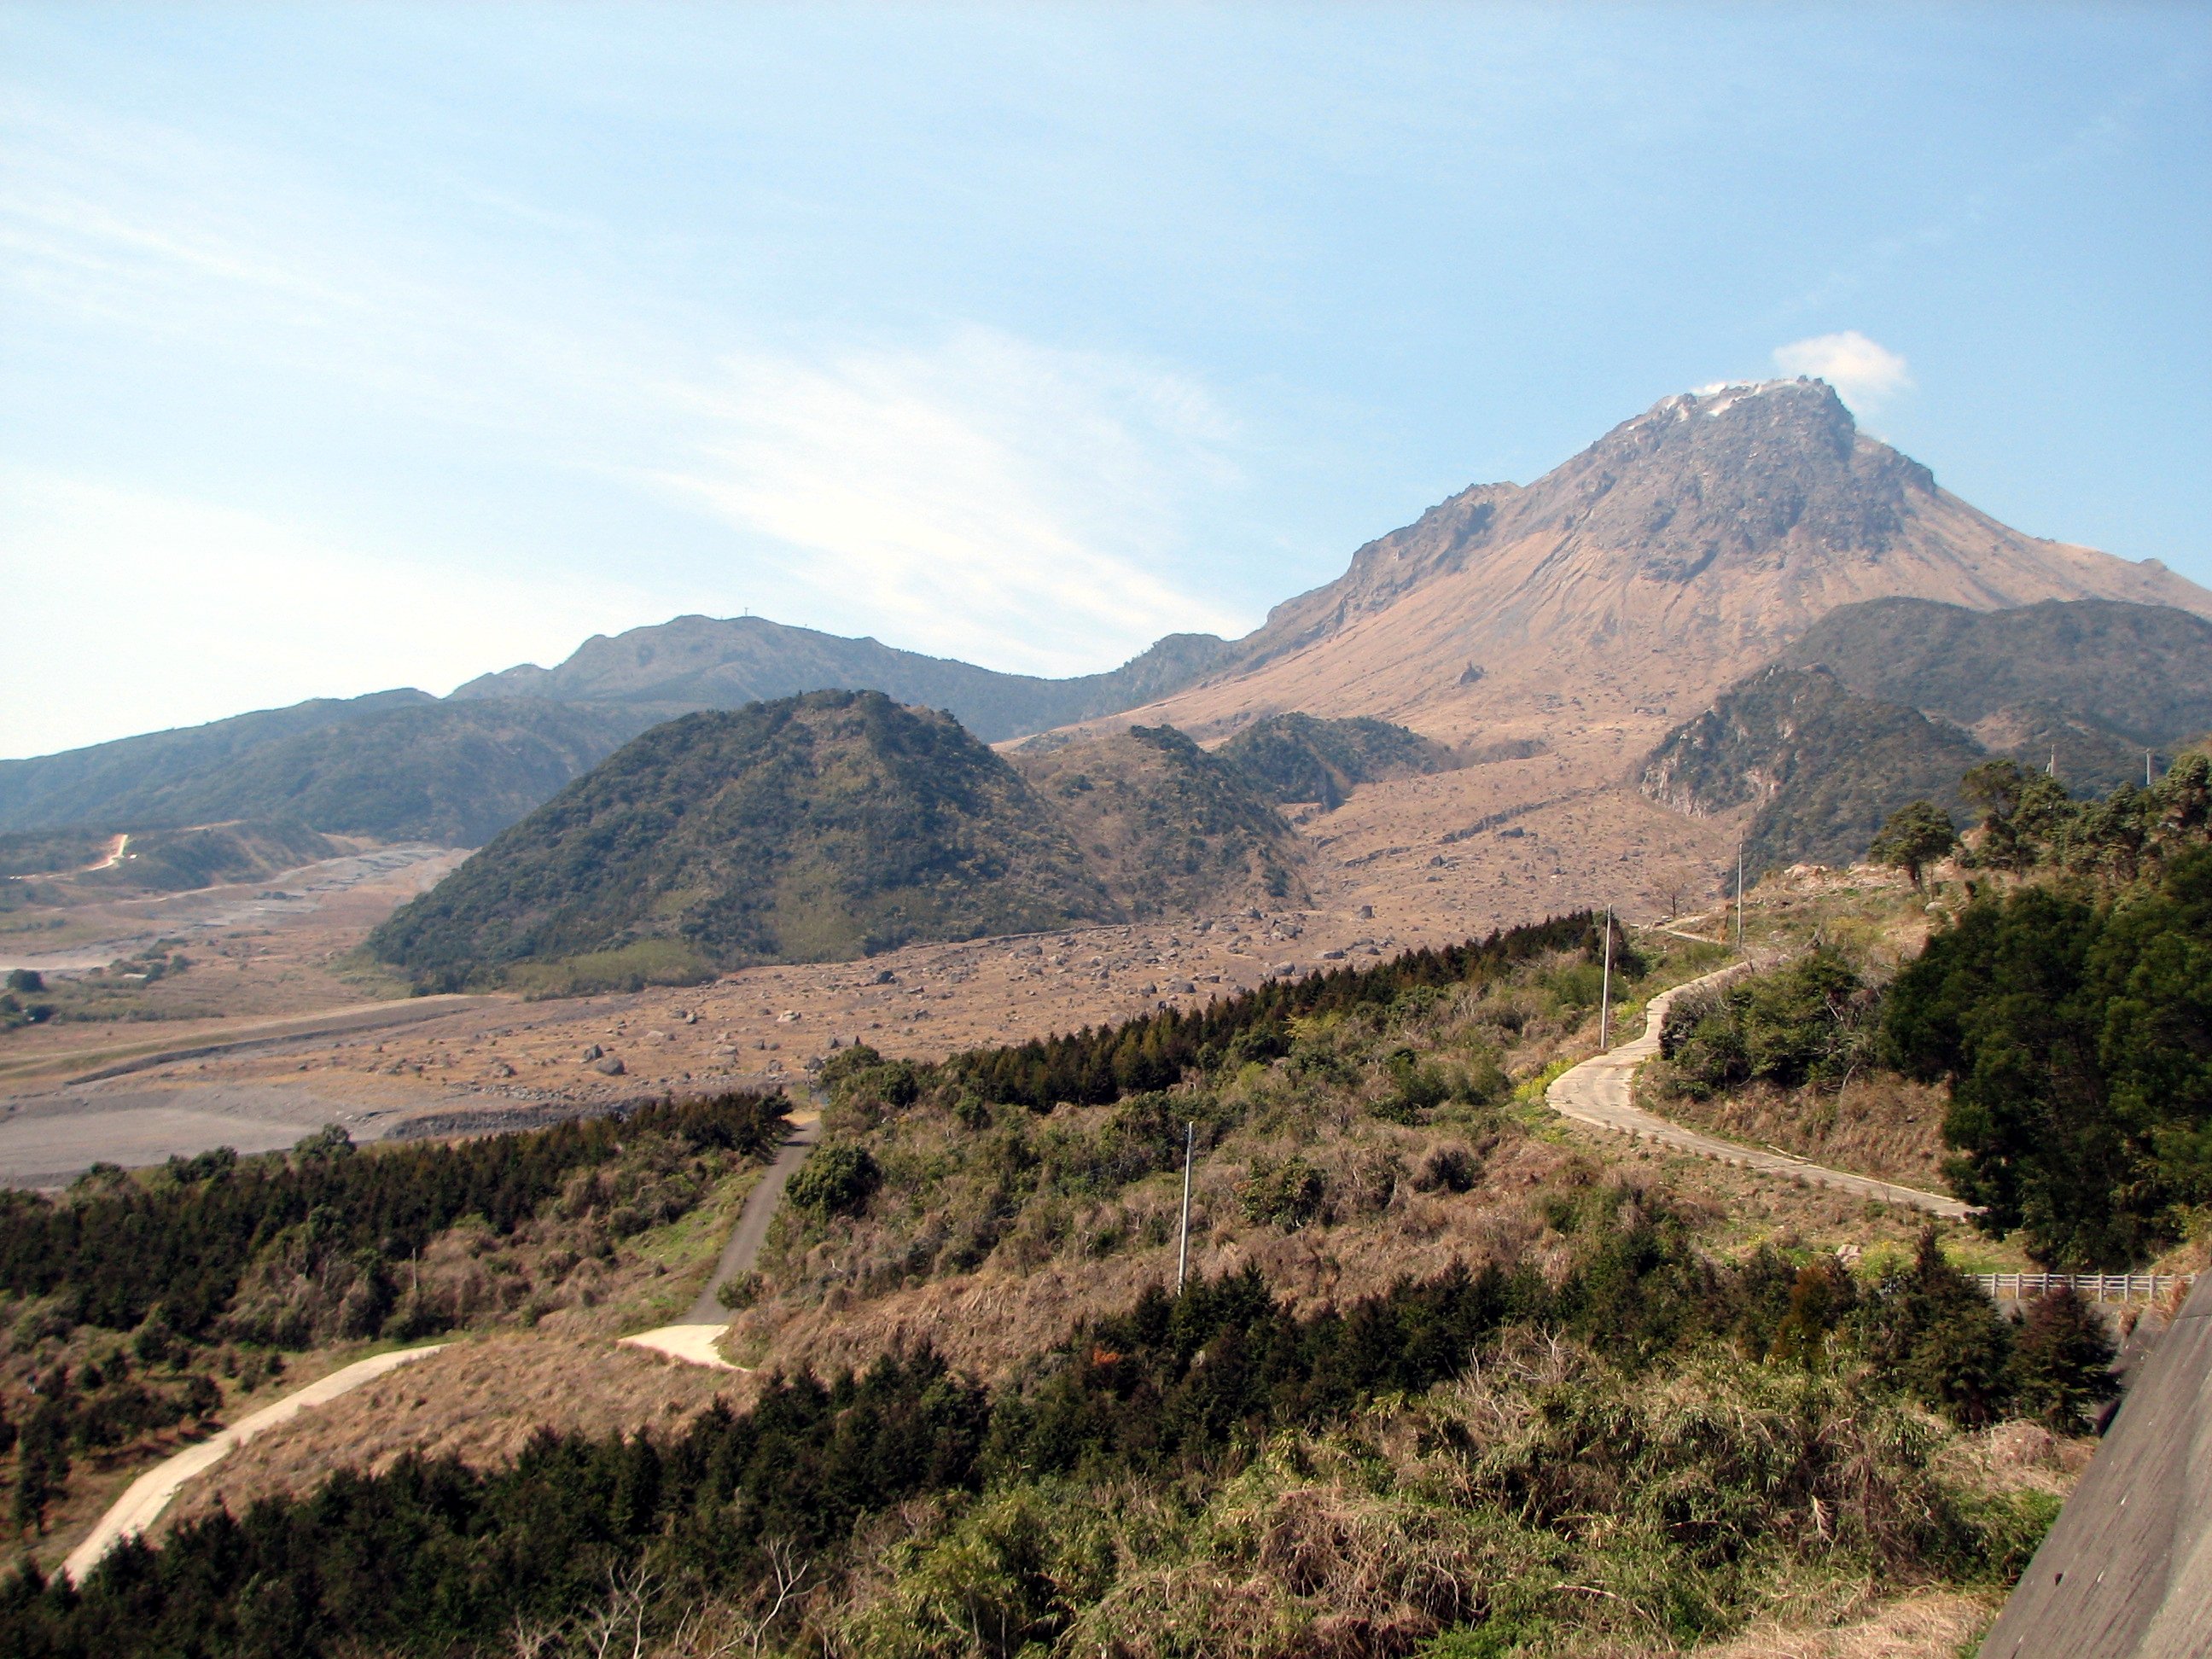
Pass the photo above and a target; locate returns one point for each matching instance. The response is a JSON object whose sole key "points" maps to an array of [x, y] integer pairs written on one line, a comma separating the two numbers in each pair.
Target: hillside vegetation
{"points": [[2057, 1026], [135, 1305], [1468, 1391], [1891, 701], [1302, 757], [815, 828], [1167, 829]]}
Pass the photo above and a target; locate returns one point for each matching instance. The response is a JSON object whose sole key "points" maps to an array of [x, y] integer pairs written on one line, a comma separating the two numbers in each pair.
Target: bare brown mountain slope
{"points": [[1679, 552], [1612, 598]]}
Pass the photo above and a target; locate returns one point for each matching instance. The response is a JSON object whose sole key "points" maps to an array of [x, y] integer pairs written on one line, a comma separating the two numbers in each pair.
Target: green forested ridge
{"points": [[399, 766], [1888, 702], [84, 787], [2104, 673], [1827, 767], [1165, 827], [1639, 1455], [815, 828], [1300, 758]]}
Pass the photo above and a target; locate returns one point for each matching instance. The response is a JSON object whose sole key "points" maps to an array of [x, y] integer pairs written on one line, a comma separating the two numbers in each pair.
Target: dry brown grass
{"points": [[985, 1321], [480, 1400], [1933, 1624], [1880, 1125]]}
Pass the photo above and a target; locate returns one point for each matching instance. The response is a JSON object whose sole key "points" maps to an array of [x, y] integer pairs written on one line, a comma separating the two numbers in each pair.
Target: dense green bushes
{"points": [[2076, 1037], [2029, 820], [1812, 1021]]}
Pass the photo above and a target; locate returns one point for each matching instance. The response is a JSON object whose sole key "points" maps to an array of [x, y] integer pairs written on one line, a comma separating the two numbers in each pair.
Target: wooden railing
{"points": [[2090, 1287]]}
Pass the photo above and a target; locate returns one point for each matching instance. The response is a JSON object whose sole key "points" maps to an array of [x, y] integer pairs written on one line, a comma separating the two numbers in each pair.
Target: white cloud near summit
{"points": [[1865, 375]]}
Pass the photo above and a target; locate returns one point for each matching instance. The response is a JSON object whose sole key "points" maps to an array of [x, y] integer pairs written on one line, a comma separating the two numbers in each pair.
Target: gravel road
{"points": [[1598, 1092], [144, 1499]]}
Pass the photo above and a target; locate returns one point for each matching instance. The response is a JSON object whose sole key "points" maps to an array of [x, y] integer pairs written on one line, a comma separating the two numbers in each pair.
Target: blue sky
{"points": [[353, 347]]}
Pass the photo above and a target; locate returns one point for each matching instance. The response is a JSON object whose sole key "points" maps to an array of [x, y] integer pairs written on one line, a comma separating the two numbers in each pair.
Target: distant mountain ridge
{"points": [[405, 765], [395, 765], [1581, 615], [725, 663]]}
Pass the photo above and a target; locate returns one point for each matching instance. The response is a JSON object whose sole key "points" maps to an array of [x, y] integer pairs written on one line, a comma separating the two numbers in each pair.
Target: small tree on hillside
{"points": [[1916, 836]]}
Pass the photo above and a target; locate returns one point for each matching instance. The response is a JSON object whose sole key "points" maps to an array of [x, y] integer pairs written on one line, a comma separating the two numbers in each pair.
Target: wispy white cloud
{"points": [[1866, 375], [129, 612], [987, 497], [1026, 506]]}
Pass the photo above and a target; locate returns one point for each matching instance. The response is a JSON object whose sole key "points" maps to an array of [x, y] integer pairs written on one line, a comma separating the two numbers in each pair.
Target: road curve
{"points": [[149, 1494], [693, 1337], [1598, 1092]]}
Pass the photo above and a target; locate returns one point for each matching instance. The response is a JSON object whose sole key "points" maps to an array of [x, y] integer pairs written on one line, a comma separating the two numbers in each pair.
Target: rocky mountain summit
{"points": [[1680, 550]]}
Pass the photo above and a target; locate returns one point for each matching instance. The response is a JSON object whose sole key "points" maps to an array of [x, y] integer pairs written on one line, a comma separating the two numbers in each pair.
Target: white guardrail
{"points": [[2090, 1287]]}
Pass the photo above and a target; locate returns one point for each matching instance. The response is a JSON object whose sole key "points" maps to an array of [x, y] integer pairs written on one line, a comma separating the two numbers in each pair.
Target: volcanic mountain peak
{"points": [[1732, 474], [1680, 550]]}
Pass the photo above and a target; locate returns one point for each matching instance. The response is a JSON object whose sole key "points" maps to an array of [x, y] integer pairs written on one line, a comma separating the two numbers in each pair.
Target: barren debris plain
{"points": [[1402, 1196]]}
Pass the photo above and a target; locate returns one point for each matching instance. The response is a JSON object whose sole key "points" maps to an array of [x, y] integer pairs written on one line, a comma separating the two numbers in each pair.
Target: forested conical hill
{"points": [[816, 828], [1169, 829], [1304, 757]]}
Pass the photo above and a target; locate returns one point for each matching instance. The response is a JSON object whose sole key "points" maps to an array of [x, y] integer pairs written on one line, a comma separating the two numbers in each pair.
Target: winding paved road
{"points": [[1598, 1092]]}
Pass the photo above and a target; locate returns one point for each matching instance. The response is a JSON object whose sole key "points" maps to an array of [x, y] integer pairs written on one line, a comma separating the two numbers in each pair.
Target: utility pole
{"points": [[1739, 903], [1605, 990], [1183, 1251]]}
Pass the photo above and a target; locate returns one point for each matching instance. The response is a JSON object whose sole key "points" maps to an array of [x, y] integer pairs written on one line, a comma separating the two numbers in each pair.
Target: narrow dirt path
{"points": [[144, 1499], [1598, 1092], [692, 1338]]}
